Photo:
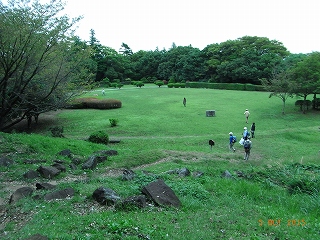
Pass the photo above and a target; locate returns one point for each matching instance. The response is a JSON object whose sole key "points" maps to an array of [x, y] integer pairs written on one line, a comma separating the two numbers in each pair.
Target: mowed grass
{"points": [[158, 134]]}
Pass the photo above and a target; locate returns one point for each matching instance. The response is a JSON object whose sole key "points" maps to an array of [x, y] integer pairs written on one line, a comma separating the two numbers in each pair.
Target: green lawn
{"points": [[277, 196]]}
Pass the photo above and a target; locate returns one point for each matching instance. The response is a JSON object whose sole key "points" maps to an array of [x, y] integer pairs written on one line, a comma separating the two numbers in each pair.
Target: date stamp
{"points": [[278, 222]]}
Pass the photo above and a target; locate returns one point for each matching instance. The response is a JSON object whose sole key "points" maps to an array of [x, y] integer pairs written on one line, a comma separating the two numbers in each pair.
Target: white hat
{"points": [[230, 133], [245, 128]]}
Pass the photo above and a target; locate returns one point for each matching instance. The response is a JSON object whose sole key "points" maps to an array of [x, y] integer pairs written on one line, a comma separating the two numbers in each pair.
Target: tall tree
{"points": [[39, 62], [280, 85], [306, 75]]}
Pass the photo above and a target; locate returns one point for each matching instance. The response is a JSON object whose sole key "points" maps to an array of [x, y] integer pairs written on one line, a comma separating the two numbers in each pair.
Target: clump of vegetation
{"points": [[99, 137], [95, 103], [113, 122], [57, 131]]}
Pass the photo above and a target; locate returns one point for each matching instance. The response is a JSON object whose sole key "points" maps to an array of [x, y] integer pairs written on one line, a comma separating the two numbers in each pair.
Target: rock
{"points": [[161, 194], [105, 196], [59, 166], [107, 152], [48, 172], [128, 175], [132, 202], [44, 186], [62, 194], [37, 237], [20, 193], [226, 174], [114, 140], [5, 162], [65, 153], [31, 174], [198, 174], [184, 172], [91, 163]]}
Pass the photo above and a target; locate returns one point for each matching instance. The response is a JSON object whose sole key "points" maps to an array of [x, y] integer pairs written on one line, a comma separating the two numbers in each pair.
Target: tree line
{"points": [[43, 64]]}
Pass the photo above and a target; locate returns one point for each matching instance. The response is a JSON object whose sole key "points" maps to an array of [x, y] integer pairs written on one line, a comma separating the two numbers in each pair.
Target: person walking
{"points": [[247, 145], [232, 140], [253, 129], [245, 133], [247, 114]]}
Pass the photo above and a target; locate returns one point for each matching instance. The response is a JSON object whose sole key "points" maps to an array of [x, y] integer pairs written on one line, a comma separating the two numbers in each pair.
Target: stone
{"points": [[184, 172], [37, 237], [31, 174], [20, 193], [91, 163], [65, 153], [61, 194], [5, 162], [45, 186], [59, 166], [128, 175], [226, 174], [161, 194], [210, 113], [197, 174], [48, 171], [132, 203], [106, 196]]}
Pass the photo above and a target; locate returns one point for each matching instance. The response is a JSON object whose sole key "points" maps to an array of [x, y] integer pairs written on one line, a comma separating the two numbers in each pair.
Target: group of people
{"points": [[245, 140]]}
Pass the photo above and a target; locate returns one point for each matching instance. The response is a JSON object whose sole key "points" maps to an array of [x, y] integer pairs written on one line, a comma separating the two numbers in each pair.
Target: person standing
{"points": [[253, 129], [103, 92], [247, 145], [247, 114], [232, 140], [184, 102], [245, 133]]}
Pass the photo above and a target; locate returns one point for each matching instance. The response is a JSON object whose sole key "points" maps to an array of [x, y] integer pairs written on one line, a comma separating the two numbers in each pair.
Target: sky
{"points": [[150, 24]]}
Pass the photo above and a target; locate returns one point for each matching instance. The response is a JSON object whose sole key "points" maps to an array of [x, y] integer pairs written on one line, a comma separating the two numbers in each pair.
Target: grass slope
{"points": [[274, 195]]}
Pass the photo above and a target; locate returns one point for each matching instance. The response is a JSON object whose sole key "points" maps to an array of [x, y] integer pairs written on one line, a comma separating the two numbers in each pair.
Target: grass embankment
{"points": [[279, 183]]}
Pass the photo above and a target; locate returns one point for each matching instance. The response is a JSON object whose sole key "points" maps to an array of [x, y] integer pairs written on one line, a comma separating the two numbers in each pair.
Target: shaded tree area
{"points": [[42, 65]]}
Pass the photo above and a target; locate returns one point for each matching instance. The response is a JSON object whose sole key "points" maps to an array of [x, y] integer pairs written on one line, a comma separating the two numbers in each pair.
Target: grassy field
{"points": [[277, 196]]}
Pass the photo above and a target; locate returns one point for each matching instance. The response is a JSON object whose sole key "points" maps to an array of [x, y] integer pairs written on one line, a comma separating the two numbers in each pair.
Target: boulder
{"points": [[59, 166], [5, 162], [61, 194], [226, 174], [45, 186], [132, 202], [48, 171], [20, 193], [161, 194], [31, 174], [65, 153], [91, 163], [128, 175], [105, 196]]}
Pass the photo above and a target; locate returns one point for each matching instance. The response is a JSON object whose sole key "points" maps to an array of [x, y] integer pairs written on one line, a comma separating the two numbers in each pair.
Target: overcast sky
{"points": [[148, 24]]}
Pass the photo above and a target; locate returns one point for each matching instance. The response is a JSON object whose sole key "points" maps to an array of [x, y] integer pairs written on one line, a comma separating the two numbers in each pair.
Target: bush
{"points": [[99, 137], [57, 131], [113, 122], [83, 103]]}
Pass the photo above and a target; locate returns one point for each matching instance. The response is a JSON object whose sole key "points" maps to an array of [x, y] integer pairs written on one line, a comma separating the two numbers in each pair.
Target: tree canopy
{"points": [[41, 64]]}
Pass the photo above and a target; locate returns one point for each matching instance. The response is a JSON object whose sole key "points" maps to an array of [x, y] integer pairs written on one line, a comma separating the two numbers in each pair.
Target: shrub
{"points": [[113, 122], [83, 103], [159, 83], [99, 137], [57, 131], [139, 84]]}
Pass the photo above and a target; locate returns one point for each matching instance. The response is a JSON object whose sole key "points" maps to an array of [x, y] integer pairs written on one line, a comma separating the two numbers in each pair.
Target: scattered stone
{"points": [[62, 194], [108, 152], [48, 171], [184, 172], [5, 162], [59, 166], [37, 237], [65, 153], [197, 174], [226, 174], [31, 174], [105, 196], [33, 161], [20, 193], [73, 166], [161, 194], [128, 175], [132, 203], [114, 140], [76, 161], [91, 163], [45, 186]]}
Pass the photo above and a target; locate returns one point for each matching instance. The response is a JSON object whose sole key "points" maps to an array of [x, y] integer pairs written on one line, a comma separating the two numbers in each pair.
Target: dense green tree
{"points": [[41, 65], [244, 60], [306, 75], [125, 50], [280, 85]]}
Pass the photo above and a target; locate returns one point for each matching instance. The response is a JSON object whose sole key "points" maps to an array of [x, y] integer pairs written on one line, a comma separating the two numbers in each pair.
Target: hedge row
{"points": [[95, 103], [226, 86]]}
